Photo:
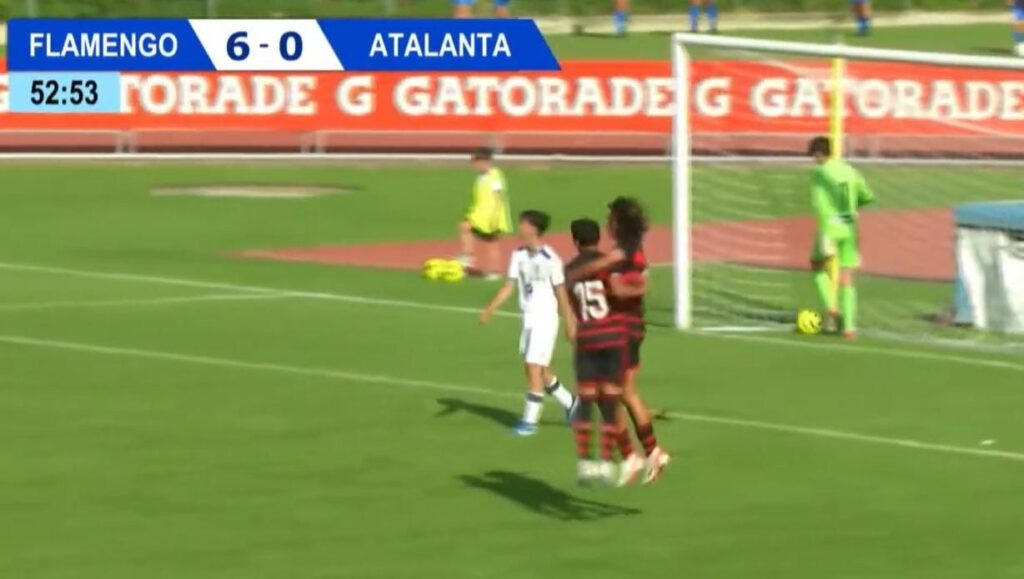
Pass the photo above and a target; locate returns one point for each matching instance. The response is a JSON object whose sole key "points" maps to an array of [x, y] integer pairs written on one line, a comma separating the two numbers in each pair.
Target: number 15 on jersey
{"points": [[593, 302]]}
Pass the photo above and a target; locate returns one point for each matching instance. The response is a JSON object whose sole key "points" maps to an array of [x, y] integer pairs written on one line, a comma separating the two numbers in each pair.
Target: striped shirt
{"points": [[599, 326], [631, 309]]}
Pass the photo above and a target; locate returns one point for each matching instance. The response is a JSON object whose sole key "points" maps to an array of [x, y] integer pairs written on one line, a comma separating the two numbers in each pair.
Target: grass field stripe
{"points": [[861, 349], [243, 365], [844, 347], [137, 302], [839, 434], [447, 387], [163, 280]]}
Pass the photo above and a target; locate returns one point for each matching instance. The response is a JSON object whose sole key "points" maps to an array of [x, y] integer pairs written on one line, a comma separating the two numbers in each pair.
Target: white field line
{"points": [[745, 329], [783, 342], [878, 350], [32, 306], [174, 281], [448, 387], [851, 436]]}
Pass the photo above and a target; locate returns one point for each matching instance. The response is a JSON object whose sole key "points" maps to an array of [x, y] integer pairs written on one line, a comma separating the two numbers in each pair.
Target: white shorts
{"points": [[537, 343]]}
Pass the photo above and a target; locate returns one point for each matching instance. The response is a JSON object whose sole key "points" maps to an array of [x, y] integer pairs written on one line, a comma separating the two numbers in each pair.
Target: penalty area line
{"points": [[348, 298], [182, 282], [851, 436], [35, 306], [744, 329], [862, 349], [97, 349]]}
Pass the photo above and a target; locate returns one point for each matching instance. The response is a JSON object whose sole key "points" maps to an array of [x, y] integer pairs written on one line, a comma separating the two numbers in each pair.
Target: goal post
{"points": [[682, 271], [740, 204]]}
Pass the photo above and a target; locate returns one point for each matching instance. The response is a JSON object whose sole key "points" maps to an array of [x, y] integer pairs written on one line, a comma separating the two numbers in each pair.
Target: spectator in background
{"points": [[710, 10], [464, 8], [1017, 10], [620, 18], [862, 15]]}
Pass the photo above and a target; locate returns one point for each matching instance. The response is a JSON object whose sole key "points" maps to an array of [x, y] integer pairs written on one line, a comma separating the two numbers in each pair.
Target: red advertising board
{"points": [[727, 96]]}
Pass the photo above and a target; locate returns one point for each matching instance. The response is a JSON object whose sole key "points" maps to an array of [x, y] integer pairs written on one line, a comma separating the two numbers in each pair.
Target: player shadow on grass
{"points": [[542, 498], [498, 415]]}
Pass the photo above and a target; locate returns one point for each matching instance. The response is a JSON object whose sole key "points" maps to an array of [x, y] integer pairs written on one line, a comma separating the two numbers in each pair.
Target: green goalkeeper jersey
{"points": [[837, 192]]}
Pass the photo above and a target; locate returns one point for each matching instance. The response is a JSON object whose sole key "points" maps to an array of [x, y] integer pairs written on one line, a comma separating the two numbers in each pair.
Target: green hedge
{"points": [[328, 8]]}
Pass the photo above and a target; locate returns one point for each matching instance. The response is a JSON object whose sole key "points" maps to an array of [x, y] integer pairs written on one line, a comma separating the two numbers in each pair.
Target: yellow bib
{"points": [[489, 209]]}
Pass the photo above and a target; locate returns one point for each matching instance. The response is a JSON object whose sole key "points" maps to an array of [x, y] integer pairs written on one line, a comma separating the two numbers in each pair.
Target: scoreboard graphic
{"points": [[68, 66]]}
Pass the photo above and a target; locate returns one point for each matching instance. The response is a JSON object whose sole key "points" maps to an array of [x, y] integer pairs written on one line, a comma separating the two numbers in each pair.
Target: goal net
{"points": [[937, 138]]}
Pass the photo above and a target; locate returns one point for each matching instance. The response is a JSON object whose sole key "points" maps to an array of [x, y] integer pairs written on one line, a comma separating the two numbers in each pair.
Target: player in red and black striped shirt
{"points": [[627, 222], [601, 353]]}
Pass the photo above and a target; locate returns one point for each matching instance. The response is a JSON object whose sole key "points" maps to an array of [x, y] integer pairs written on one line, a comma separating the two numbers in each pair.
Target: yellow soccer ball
{"points": [[452, 271], [433, 268], [808, 322]]}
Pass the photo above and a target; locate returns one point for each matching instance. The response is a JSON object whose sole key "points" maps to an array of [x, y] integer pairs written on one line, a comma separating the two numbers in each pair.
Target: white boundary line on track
{"points": [[30, 306], [783, 342], [448, 387]]}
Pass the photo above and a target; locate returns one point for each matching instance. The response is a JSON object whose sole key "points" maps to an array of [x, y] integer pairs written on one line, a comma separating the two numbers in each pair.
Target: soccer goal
{"points": [[940, 139]]}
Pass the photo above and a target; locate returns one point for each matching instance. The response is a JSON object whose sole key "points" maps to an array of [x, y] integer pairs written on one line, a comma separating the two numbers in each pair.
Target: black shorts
{"points": [[604, 365], [633, 349], [485, 236]]}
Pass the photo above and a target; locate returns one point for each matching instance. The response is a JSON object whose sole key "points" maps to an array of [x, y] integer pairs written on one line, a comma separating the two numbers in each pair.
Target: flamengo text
{"points": [[103, 45]]}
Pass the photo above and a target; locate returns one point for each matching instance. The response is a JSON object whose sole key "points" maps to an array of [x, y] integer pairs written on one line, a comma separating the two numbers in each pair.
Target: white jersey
{"points": [[537, 273]]}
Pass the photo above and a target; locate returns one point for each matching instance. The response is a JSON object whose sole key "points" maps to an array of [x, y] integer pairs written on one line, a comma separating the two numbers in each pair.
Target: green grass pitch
{"points": [[171, 411]]}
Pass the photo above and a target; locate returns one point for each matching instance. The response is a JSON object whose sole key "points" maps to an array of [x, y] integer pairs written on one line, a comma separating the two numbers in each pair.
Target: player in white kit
{"points": [[536, 271]]}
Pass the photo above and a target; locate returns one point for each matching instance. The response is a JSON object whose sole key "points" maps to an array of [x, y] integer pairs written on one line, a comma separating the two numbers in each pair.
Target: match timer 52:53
{"points": [[76, 92], [65, 92]]}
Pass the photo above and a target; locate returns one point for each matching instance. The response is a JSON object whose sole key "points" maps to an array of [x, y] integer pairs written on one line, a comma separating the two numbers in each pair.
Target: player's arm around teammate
{"points": [[636, 287]]}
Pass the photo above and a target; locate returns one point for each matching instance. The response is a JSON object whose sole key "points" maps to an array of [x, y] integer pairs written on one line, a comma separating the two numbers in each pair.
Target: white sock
{"points": [[534, 404], [559, 393]]}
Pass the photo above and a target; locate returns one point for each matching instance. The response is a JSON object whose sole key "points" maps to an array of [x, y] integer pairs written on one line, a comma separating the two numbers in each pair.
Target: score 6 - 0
{"points": [[289, 47], [266, 45]]}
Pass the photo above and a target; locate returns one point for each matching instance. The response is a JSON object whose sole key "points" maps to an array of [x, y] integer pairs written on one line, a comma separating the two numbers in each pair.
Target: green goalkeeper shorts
{"points": [[843, 246]]}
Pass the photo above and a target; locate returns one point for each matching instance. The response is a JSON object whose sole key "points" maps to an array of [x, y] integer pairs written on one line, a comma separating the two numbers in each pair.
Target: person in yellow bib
{"points": [[487, 218]]}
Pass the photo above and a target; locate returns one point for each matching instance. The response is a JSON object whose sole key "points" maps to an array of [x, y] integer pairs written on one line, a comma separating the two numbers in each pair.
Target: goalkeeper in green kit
{"points": [[837, 192]]}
